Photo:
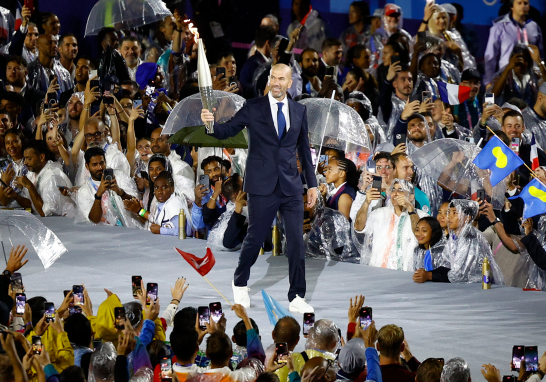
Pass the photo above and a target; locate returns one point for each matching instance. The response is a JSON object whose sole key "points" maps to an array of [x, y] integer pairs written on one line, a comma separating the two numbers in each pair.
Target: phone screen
{"points": [[166, 369], [75, 310], [136, 285], [204, 316], [119, 314], [514, 145], [151, 293], [282, 353], [215, 309], [308, 322], [489, 98], [365, 314], [49, 311], [37, 345], [17, 282], [531, 358], [77, 292], [314, 155], [20, 301]]}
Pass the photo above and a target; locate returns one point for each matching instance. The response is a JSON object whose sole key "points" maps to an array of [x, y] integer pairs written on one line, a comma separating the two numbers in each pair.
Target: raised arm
{"points": [[131, 137]]}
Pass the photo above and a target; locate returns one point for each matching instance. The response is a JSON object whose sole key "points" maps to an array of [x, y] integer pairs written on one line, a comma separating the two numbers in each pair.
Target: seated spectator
{"points": [[391, 346], [427, 257], [100, 200], [46, 183], [14, 167], [342, 174], [388, 231]]}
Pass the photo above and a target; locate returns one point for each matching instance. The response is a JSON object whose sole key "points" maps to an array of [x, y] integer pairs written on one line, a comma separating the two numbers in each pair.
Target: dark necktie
{"points": [[281, 121]]}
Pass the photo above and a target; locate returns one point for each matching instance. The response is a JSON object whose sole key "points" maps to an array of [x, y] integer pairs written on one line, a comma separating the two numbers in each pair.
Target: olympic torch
{"points": [[205, 83]]}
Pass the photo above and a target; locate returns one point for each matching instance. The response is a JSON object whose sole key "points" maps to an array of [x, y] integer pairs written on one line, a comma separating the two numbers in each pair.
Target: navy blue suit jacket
{"points": [[247, 74], [270, 159]]}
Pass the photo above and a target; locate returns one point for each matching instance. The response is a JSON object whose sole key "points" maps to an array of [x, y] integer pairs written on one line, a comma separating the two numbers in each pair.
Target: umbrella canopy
{"points": [[188, 111], [124, 14], [275, 311], [46, 244], [449, 162], [197, 136], [335, 125]]}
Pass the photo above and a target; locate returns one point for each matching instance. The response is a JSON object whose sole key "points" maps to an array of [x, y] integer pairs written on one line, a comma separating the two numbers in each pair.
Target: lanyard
{"points": [[525, 38], [468, 116], [339, 192]]}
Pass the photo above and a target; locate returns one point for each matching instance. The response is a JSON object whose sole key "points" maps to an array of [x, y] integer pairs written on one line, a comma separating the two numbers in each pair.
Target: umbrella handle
{"points": [[325, 125], [465, 169]]}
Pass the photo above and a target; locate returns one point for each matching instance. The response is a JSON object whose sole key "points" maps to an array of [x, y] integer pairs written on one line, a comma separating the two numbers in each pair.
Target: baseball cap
{"points": [[542, 88], [377, 13], [470, 74], [450, 9], [352, 356], [392, 10], [507, 105]]}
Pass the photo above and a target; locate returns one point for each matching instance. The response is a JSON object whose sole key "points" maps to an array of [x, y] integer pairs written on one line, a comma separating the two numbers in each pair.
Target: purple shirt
{"points": [[503, 36]]}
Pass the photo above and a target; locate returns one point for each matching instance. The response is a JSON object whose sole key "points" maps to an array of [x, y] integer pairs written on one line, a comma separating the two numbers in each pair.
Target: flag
{"points": [[201, 265], [534, 197], [309, 17], [534, 154], [275, 311], [453, 94], [499, 159], [18, 17]]}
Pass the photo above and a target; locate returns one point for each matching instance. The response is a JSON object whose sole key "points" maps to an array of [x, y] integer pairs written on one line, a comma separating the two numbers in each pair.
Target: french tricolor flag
{"points": [[453, 94], [534, 154], [18, 18]]}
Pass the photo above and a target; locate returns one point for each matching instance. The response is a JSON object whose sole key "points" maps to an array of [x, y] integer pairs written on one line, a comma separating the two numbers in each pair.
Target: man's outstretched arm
{"points": [[232, 127]]}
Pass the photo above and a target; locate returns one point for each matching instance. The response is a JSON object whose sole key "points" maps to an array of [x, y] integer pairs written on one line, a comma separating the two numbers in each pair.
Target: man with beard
{"points": [[74, 108], [68, 49], [332, 52], [81, 75], [130, 51], [263, 38], [44, 182], [309, 63], [209, 204], [100, 199], [27, 32], [42, 70]]}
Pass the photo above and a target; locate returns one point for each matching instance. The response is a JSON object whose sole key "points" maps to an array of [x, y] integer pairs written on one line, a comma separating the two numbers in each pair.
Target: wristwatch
{"points": [[7, 273], [497, 220], [413, 212], [98, 197]]}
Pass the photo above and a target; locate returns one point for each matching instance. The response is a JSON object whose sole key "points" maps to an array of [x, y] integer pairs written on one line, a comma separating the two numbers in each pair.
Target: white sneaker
{"points": [[298, 305], [240, 295]]}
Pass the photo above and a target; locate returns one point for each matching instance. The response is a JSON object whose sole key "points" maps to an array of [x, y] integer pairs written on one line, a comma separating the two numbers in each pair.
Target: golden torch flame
{"points": [[194, 31]]}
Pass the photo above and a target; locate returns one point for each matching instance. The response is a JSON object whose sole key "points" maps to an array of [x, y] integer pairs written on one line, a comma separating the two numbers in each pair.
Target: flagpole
{"points": [[492, 132], [220, 293]]}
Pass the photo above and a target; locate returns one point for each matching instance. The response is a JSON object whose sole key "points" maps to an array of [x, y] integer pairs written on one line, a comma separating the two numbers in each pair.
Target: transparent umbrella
{"points": [[449, 162], [335, 125], [124, 14], [187, 113]]}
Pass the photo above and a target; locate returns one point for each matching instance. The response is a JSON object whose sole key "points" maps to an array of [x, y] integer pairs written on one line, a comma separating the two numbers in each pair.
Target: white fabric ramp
{"points": [[439, 320]]}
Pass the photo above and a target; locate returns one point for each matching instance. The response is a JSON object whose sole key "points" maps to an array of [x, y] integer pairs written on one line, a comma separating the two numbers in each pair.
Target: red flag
{"points": [[201, 265]]}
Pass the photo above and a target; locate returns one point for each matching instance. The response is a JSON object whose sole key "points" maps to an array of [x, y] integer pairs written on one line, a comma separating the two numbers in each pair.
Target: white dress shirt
{"points": [[274, 111]]}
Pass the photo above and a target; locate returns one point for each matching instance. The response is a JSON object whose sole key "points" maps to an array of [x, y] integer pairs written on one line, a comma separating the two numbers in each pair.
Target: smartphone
{"points": [[108, 174], [151, 293], [215, 310], [93, 73], [370, 166], [77, 292], [470, 140], [17, 282], [37, 345], [308, 322], [329, 71], [281, 349], [232, 81], [531, 358], [514, 145], [324, 159], [97, 344], [395, 58], [75, 310], [377, 182], [220, 70], [137, 103], [136, 285], [509, 378], [166, 369], [205, 181], [426, 96], [96, 82], [489, 99], [422, 36], [481, 194], [399, 138], [283, 44], [20, 301], [204, 316], [30, 5], [108, 98], [49, 311], [430, 1], [365, 314], [119, 315]]}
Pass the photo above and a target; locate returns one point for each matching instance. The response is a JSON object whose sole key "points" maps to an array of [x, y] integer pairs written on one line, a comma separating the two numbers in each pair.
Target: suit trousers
{"points": [[261, 212]]}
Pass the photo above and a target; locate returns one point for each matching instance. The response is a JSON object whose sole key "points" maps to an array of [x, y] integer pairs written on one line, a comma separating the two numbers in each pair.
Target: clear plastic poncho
{"points": [[398, 106], [380, 36], [536, 125], [466, 249], [38, 76], [438, 260], [312, 35], [387, 240], [324, 332], [527, 274], [372, 122], [455, 370], [144, 374], [102, 363], [47, 182], [20, 169], [330, 237], [215, 239]]}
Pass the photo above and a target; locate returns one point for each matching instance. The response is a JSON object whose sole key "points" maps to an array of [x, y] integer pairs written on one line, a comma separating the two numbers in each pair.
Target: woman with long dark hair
{"points": [[428, 254]]}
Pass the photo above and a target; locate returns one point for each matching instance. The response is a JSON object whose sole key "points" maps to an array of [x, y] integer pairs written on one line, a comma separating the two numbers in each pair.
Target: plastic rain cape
{"points": [[323, 332], [372, 122], [387, 240], [46, 244], [455, 370], [527, 274], [215, 239], [398, 106], [466, 249], [101, 366], [330, 236], [536, 125], [435, 253]]}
